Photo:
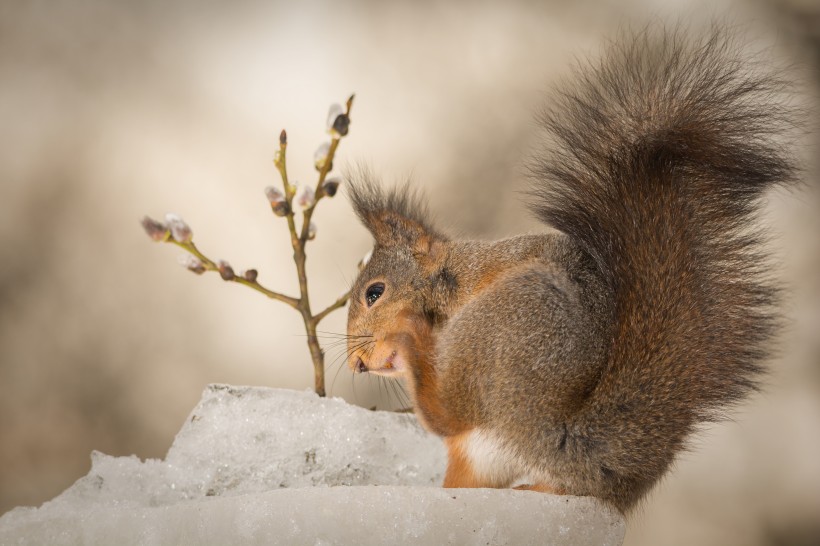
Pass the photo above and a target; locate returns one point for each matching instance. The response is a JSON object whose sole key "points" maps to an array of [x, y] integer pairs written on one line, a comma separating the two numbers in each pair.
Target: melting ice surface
{"points": [[256, 465]]}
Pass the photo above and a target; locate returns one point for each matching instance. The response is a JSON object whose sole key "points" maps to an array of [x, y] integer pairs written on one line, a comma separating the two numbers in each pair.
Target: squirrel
{"points": [[581, 360]]}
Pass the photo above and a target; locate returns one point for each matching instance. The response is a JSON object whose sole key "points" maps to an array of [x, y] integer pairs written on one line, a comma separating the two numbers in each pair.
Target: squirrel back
{"points": [[585, 359]]}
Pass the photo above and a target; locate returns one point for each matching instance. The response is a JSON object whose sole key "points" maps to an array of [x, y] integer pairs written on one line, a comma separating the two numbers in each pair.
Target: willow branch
{"points": [[319, 190], [210, 265], [178, 232]]}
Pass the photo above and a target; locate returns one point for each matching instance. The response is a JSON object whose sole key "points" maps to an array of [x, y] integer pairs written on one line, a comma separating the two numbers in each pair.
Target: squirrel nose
{"points": [[360, 366]]}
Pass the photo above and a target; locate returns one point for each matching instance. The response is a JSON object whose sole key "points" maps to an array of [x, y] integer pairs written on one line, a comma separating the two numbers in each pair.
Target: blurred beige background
{"points": [[111, 110]]}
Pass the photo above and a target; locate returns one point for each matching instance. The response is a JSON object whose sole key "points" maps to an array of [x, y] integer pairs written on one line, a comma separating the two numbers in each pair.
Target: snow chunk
{"points": [[223, 482], [338, 515]]}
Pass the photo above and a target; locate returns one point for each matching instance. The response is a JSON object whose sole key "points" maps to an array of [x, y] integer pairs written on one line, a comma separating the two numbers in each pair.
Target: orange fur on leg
{"points": [[460, 471]]}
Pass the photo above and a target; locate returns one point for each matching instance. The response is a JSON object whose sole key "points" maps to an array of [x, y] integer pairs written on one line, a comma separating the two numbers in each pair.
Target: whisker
{"points": [[349, 350], [341, 358], [336, 343], [353, 387], [379, 381], [407, 403], [342, 274], [390, 391], [336, 375], [368, 345], [341, 334], [396, 388], [404, 400]]}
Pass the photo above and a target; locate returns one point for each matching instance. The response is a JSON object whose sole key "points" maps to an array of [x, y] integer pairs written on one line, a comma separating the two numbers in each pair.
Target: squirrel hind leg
{"points": [[476, 458], [460, 470]]}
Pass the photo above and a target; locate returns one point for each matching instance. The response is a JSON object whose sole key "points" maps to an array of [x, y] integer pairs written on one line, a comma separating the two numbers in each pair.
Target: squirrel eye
{"points": [[374, 292]]}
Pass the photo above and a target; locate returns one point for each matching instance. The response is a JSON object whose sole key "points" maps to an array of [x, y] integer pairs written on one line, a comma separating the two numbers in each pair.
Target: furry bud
{"points": [[283, 138], [331, 186], [278, 203], [274, 195], [225, 270], [335, 111], [311, 234], [180, 231], [306, 198], [192, 263], [338, 122], [250, 275], [320, 157], [342, 125], [157, 231]]}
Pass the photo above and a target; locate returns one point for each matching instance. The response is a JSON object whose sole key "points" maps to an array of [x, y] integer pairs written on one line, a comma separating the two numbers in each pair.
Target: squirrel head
{"points": [[400, 294]]}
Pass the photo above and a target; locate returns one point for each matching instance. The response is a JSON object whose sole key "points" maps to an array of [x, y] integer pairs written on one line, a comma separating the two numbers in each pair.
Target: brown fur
{"points": [[584, 359]]}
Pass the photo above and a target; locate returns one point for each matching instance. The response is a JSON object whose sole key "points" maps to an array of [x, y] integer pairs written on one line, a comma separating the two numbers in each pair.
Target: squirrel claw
{"points": [[361, 367]]}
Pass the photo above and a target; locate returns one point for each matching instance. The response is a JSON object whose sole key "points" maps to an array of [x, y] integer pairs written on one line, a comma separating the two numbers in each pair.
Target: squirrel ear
{"points": [[390, 228], [397, 217]]}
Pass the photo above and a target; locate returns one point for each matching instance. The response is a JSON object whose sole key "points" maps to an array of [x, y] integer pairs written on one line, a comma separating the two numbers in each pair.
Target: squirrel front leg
{"points": [[463, 442], [423, 378], [457, 434]]}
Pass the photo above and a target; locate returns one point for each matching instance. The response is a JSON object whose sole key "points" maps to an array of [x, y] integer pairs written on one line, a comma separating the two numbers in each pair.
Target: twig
{"points": [[178, 233], [299, 241], [210, 265]]}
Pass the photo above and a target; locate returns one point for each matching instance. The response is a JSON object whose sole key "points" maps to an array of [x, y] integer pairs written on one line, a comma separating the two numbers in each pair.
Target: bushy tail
{"points": [[660, 156]]}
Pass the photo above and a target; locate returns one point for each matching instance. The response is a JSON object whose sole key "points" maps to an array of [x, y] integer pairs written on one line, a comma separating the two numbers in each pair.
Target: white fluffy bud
{"points": [[278, 203], [180, 231], [320, 156], [157, 231], [338, 123], [192, 263], [306, 198], [334, 112]]}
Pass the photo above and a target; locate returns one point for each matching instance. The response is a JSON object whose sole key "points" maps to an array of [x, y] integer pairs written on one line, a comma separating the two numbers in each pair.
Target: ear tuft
{"points": [[397, 216]]}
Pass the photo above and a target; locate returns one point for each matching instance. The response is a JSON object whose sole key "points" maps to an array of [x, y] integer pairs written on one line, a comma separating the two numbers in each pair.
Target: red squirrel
{"points": [[581, 360]]}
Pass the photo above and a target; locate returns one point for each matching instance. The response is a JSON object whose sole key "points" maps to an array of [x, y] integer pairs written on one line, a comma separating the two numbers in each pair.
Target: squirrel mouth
{"points": [[387, 371]]}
